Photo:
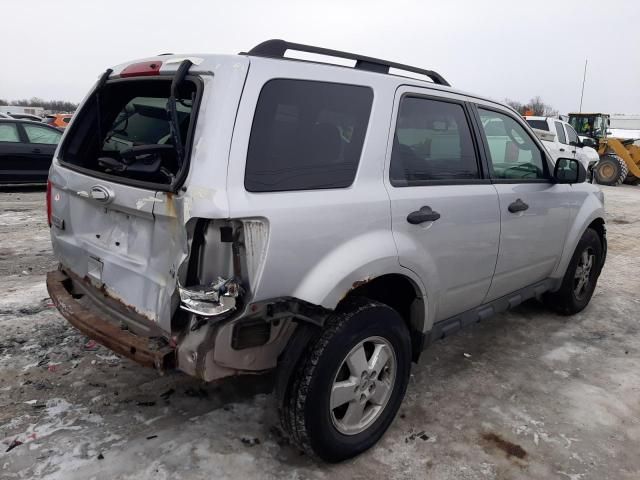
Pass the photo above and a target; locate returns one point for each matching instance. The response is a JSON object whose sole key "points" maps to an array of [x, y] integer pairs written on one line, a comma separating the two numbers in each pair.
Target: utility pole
{"points": [[584, 78]]}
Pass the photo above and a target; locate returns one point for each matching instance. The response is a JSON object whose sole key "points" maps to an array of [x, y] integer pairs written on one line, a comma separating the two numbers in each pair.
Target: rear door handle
{"points": [[562, 149], [36, 150], [518, 206], [425, 214]]}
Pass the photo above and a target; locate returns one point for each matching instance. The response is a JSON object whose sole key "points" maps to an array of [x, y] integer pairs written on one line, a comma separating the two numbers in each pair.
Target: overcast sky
{"points": [[55, 49]]}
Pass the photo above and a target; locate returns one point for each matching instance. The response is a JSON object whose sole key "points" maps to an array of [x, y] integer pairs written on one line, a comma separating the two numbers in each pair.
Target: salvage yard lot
{"points": [[526, 394]]}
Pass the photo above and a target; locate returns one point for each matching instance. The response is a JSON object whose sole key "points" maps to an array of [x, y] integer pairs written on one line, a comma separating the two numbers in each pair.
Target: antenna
{"points": [[584, 78]]}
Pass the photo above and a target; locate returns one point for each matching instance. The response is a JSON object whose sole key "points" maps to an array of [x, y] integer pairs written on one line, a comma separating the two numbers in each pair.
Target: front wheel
{"points": [[350, 382], [581, 276]]}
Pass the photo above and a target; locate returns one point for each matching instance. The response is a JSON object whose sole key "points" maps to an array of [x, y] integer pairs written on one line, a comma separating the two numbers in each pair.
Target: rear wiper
{"points": [[172, 110]]}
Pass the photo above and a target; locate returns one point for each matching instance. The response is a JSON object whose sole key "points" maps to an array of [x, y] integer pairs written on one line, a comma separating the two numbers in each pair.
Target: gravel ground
{"points": [[527, 394]]}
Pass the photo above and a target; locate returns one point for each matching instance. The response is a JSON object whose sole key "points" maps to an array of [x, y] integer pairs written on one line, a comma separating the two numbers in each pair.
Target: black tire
{"points": [[305, 411], [632, 180], [611, 170], [567, 301]]}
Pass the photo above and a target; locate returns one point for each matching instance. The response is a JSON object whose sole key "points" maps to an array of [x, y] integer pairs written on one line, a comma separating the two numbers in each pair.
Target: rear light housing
{"points": [[49, 202], [142, 69]]}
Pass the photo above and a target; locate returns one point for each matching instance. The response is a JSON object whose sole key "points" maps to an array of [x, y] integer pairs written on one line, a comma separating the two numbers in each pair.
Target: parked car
{"points": [[26, 116], [26, 151], [274, 220], [561, 140], [59, 120]]}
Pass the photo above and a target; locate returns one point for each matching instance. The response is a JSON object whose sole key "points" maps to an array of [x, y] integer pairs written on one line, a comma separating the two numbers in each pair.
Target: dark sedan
{"points": [[26, 151]]}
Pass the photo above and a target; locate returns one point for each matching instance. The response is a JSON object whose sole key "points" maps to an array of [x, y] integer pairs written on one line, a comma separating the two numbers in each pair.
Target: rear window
{"points": [[539, 124], [306, 135], [128, 134]]}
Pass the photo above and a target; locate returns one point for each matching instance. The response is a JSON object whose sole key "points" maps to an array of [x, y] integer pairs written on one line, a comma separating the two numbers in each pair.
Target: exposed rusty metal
{"points": [[360, 283], [355, 285], [147, 351]]}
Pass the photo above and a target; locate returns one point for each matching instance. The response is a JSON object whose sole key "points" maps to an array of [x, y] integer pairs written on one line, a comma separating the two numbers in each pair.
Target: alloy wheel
{"points": [[362, 385]]}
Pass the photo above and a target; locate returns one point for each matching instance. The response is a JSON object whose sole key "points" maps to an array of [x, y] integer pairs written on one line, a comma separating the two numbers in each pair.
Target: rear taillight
{"points": [[49, 202], [143, 69]]}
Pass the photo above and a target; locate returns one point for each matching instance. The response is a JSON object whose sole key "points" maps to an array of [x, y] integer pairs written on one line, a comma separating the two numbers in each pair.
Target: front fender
{"points": [[592, 208], [348, 265]]}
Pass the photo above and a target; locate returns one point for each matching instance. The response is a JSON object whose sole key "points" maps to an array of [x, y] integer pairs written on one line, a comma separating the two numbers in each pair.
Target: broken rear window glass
{"points": [[126, 131]]}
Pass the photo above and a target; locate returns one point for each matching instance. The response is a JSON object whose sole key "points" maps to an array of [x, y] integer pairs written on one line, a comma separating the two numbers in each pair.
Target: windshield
{"points": [[126, 132], [589, 125]]}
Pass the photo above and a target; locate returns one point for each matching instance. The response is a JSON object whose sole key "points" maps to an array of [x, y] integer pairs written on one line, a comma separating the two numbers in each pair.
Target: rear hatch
{"points": [[116, 221]]}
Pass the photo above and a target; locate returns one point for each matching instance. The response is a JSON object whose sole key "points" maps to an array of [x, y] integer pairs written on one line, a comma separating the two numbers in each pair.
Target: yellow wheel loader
{"points": [[619, 158]]}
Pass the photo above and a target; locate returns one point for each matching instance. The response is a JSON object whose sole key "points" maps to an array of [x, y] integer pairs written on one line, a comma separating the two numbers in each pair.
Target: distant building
{"points": [[626, 122], [39, 111]]}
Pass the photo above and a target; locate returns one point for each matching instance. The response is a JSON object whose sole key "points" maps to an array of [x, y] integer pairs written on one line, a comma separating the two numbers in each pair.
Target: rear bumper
{"points": [[87, 316]]}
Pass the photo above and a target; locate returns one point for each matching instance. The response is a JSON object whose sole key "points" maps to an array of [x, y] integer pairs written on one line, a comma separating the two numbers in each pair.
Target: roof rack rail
{"points": [[277, 49]]}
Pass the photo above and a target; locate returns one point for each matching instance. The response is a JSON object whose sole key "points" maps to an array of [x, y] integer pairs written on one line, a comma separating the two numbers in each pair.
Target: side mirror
{"points": [[589, 142], [569, 170]]}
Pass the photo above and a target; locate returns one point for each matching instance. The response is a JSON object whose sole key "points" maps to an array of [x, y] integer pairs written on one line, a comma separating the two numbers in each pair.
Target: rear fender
{"points": [[351, 265]]}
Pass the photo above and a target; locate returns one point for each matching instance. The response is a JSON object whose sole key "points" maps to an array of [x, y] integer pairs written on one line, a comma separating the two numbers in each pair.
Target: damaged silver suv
{"points": [[234, 214]]}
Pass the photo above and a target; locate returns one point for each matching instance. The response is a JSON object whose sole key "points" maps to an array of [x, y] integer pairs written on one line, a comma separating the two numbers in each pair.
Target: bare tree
{"points": [[517, 106], [52, 105], [535, 106], [540, 108]]}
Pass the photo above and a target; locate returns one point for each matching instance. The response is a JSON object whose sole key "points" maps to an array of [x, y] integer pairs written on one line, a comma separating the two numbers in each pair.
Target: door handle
{"points": [[573, 151], [425, 214], [518, 206], [562, 149], [36, 150]]}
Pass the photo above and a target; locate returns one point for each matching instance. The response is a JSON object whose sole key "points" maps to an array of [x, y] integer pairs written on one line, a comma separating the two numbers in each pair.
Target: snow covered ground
{"points": [[527, 394]]}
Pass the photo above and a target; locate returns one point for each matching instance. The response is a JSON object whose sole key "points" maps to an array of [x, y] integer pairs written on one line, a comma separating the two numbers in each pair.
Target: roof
{"points": [[273, 51]]}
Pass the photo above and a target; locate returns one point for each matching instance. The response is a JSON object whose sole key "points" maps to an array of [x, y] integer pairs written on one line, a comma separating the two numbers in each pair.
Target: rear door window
{"points": [[432, 141], [560, 130], [9, 133], [37, 134], [306, 135]]}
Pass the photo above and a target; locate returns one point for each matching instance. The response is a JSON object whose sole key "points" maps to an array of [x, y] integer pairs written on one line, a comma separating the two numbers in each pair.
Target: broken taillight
{"points": [[142, 69], [49, 202]]}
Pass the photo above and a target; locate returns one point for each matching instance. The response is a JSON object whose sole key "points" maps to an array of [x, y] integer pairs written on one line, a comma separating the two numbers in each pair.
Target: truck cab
{"points": [[562, 140]]}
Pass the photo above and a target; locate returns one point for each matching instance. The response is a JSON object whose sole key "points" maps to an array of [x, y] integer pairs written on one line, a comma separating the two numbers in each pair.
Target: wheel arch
{"points": [[590, 215], [401, 293]]}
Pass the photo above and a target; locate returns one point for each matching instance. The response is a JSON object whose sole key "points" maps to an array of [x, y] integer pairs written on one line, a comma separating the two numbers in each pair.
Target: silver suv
{"points": [[235, 214]]}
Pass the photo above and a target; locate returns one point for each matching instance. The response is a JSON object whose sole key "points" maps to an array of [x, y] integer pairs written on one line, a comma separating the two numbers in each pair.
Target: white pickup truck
{"points": [[561, 140]]}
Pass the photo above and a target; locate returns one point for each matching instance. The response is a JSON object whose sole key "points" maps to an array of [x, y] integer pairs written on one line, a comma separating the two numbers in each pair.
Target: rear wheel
{"points": [[632, 180], [581, 276], [349, 384], [611, 170]]}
